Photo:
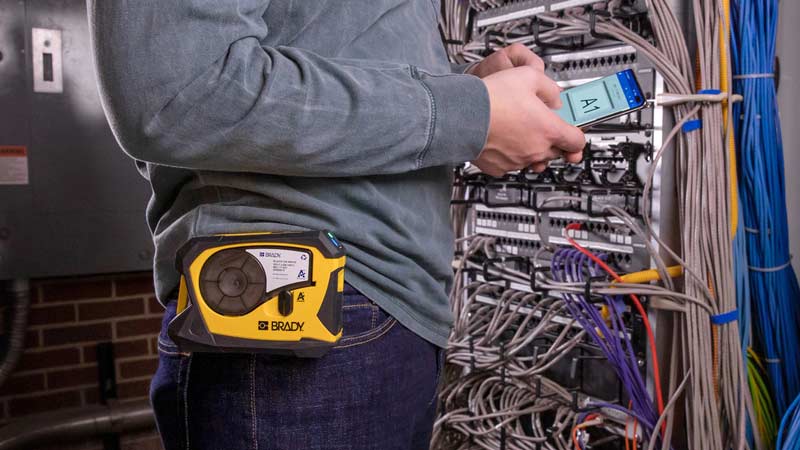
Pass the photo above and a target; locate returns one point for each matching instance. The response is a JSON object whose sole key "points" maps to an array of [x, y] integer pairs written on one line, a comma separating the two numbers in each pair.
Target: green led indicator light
{"points": [[333, 239]]}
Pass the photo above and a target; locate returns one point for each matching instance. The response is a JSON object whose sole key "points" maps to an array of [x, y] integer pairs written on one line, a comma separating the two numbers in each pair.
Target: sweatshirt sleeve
{"points": [[187, 83], [461, 68]]}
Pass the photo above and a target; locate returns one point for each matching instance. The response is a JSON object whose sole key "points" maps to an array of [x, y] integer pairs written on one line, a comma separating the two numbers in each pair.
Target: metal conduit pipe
{"points": [[20, 304], [76, 424]]}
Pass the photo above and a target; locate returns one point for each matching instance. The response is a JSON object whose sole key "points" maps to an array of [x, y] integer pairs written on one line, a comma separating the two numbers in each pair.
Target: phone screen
{"points": [[600, 99]]}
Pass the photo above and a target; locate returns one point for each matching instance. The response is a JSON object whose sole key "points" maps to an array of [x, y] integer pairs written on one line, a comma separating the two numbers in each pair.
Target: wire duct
{"points": [[76, 424], [20, 299]]}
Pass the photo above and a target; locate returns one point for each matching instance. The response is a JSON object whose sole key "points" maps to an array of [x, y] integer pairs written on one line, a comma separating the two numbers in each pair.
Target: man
{"points": [[258, 115]]}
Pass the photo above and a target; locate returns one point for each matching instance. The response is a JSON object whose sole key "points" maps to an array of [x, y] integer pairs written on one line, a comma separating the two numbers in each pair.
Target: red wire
{"points": [[639, 308]]}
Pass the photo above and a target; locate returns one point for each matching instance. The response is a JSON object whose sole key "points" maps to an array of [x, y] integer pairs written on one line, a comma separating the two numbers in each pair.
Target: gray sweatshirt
{"points": [[259, 115]]}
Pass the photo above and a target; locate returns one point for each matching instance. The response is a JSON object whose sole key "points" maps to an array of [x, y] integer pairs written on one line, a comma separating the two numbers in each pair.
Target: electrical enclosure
{"points": [[71, 202]]}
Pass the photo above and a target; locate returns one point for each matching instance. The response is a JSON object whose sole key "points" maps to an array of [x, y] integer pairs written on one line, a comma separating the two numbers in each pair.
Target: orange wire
{"points": [[715, 360], [635, 424], [575, 438], [638, 304], [579, 426], [627, 441], [714, 348], [714, 330]]}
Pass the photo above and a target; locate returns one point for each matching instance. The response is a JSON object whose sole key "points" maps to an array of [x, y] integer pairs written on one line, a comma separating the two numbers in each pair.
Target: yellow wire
{"points": [[646, 276], [766, 417], [725, 33]]}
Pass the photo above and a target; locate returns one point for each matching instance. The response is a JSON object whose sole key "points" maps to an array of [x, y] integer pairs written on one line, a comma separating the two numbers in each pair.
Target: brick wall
{"points": [[68, 318]]}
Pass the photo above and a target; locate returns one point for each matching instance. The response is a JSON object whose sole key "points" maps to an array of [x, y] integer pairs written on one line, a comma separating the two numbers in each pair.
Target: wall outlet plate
{"points": [[46, 58]]}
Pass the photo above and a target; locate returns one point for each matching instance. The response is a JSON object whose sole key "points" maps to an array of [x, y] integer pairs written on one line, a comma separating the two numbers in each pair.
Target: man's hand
{"points": [[515, 55], [523, 129]]}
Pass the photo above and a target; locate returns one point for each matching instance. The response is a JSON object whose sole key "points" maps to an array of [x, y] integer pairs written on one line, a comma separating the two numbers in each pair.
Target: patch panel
{"points": [[519, 233], [604, 60], [516, 10]]}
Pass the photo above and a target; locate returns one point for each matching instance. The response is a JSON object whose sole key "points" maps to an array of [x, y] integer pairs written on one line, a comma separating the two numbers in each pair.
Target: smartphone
{"points": [[603, 99]]}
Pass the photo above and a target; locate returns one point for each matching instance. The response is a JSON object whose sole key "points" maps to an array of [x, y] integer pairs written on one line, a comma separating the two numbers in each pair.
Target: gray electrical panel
{"points": [[70, 201]]}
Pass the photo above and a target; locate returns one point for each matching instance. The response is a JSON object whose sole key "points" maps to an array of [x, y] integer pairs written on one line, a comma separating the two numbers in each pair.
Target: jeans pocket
{"points": [[166, 346], [362, 319], [168, 396]]}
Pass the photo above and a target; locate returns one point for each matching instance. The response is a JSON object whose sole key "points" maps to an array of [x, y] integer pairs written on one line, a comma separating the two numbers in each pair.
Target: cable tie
{"points": [[726, 317], [709, 92], [574, 402], [747, 76], [503, 359], [756, 230], [773, 269], [772, 360], [587, 289], [471, 353], [692, 125]]}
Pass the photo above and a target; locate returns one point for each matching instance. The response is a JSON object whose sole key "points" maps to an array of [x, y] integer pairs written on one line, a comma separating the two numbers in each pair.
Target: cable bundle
{"points": [[485, 410], [453, 24], [609, 332], [502, 349], [789, 435], [706, 349], [766, 421], [773, 284], [716, 403], [494, 394]]}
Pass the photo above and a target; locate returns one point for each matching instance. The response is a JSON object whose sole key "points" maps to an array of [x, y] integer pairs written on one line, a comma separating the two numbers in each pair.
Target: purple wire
{"points": [[616, 315], [583, 311], [636, 386], [645, 405], [594, 313], [568, 265], [634, 378], [642, 404], [580, 308]]}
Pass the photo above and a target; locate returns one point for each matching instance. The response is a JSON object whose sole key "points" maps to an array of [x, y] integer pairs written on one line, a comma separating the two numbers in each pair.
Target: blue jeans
{"points": [[375, 390]]}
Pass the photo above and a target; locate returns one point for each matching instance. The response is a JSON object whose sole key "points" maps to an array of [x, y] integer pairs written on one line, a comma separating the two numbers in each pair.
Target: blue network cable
{"points": [[774, 292], [742, 279], [741, 275], [789, 434]]}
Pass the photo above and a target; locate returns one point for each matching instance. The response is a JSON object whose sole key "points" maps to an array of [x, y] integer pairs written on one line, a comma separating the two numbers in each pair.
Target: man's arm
{"points": [[187, 83]]}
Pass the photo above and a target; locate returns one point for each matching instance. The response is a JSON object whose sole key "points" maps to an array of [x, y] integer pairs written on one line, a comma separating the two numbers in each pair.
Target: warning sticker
{"points": [[13, 164], [283, 267]]}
